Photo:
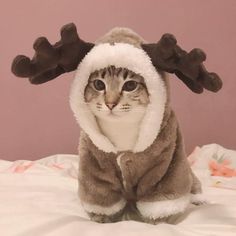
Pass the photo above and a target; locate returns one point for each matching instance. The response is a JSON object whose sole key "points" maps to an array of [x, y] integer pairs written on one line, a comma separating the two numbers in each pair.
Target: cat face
{"points": [[116, 93]]}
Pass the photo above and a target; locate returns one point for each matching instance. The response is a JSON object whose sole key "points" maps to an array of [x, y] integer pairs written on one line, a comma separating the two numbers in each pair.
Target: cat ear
{"points": [[50, 61], [167, 56]]}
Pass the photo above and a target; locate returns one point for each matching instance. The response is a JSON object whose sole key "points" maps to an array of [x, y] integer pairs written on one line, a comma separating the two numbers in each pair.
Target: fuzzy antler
{"points": [[166, 55], [50, 61]]}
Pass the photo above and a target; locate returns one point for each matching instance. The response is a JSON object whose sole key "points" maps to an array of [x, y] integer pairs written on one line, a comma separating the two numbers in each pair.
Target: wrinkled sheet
{"points": [[40, 198]]}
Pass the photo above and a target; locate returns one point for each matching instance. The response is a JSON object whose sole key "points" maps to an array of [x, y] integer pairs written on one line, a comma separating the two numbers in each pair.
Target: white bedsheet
{"points": [[40, 198]]}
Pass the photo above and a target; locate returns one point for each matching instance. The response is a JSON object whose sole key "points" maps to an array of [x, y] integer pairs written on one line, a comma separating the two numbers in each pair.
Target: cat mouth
{"points": [[113, 114]]}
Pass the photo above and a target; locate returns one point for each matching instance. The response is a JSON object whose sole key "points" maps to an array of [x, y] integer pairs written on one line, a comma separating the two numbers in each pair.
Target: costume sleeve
{"points": [[172, 193], [100, 188]]}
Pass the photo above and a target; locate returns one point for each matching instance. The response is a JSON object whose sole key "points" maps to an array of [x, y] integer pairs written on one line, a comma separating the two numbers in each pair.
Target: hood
{"points": [[123, 52]]}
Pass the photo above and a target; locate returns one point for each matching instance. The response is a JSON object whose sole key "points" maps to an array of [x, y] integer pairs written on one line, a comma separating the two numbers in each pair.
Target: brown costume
{"points": [[159, 173]]}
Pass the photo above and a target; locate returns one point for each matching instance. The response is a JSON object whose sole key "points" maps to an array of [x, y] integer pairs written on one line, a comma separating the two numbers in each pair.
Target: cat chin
{"points": [[115, 116], [119, 116]]}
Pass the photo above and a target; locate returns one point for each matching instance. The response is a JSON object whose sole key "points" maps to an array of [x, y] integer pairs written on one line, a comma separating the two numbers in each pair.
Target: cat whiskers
{"points": [[99, 106], [125, 108]]}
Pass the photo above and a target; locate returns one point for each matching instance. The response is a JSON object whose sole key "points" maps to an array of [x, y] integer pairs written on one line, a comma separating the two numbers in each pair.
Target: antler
{"points": [[166, 55], [50, 61]]}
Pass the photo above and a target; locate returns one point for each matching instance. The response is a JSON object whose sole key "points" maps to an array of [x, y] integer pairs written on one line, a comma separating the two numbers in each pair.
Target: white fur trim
{"points": [[198, 199], [160, 209], [136, 60], [111, 210], [119, 164]]}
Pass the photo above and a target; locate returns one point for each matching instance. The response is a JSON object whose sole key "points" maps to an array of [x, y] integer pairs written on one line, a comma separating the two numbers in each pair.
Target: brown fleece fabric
{"points": [[161, 172]]}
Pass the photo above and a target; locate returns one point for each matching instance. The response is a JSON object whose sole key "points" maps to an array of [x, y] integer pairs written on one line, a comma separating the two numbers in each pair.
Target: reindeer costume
{"points": [[154, 177]]}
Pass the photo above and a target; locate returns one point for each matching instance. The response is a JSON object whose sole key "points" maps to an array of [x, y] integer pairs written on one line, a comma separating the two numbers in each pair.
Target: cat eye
{"points": [[130, 85], [99, 85]]}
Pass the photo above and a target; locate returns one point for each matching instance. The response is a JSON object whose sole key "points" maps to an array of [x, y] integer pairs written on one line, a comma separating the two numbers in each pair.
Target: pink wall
{"points": [[36, 120]]}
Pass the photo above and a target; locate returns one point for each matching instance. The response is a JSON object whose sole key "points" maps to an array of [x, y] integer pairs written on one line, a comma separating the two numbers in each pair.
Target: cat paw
{"points": [[169, 220], [99, 218]]}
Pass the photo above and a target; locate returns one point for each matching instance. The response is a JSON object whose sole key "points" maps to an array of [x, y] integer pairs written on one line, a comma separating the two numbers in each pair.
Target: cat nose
{"points": [[111, 105]]}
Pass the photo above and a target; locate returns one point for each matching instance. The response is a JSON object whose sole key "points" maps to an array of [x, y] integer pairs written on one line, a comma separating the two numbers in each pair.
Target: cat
{"points": [[118, 98]]}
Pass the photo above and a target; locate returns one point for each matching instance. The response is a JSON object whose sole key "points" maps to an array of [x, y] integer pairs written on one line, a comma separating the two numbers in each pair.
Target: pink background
{"points": [[36, 121]]}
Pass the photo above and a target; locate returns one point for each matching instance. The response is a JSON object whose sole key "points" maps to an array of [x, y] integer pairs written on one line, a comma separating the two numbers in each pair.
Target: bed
{"points": [[40, 198]]}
